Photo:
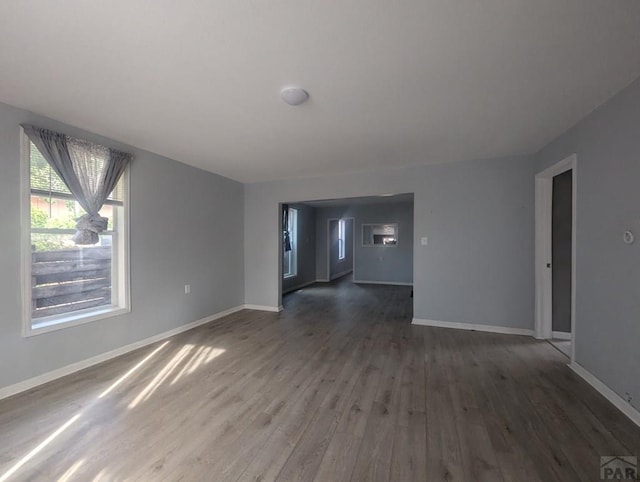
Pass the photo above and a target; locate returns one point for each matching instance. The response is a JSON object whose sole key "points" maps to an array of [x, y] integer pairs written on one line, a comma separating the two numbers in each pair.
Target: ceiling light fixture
{"points": [[294, 95]]}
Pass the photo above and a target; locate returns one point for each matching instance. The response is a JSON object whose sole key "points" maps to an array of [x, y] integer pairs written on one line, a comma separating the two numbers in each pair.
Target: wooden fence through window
{"points": [[71, 279]]}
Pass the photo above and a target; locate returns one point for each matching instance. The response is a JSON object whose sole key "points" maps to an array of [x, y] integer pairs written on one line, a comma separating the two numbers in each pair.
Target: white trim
{"points": [[274, 309], [392, 283], [543, 246], [323, 280], [342, 240], [619, 402], [74, 318], [30, 383], [300, 286], [473, 326], [561, 335], [25, 233]]}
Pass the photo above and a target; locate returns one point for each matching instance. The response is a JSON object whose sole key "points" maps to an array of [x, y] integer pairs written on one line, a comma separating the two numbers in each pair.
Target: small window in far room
{"points": [[341, 239], [290, 258]]}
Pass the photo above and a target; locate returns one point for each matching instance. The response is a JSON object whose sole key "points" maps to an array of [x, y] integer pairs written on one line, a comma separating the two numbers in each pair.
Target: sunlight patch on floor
{"points": [[188, 365], [72, 470], [194, 366], [39, 448], [216, 352], [130, 372], [161, 376], [201, 356]]}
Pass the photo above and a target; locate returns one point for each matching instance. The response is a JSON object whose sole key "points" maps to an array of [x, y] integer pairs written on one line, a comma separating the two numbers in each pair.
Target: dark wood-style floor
{"points": [[340, 386]]}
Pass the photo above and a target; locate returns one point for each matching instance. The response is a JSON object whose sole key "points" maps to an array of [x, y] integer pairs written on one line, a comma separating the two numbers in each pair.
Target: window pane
{"points": [[45, 179], [341, 239], [289, 258], [42, 176], [67, 278], [286, 263], [56, 213]]}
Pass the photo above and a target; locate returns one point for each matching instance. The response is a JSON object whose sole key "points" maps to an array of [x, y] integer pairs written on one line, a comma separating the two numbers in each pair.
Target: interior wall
{"points": [[186, 227], [478, 216], [306, 233], [386, 264], [562, 226], [607, 330], [380, 264]]}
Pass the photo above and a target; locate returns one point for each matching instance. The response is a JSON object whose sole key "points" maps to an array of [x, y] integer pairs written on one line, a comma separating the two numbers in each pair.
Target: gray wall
{"points": [[562, 226], [478, 215], [182, 231], [607, 144], [384, 264], [306, 249]]}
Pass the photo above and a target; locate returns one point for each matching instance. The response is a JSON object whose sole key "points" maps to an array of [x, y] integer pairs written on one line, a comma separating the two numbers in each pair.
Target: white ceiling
{"points": [[391, 83]]}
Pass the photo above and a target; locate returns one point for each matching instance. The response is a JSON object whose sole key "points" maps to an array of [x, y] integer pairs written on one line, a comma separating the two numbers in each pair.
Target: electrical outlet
{"points": [[187, 289], [628, 397], [424, 241]]}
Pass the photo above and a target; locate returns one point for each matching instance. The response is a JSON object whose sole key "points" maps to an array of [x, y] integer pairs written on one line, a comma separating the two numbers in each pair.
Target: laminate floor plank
{"points": [[339, 386]]}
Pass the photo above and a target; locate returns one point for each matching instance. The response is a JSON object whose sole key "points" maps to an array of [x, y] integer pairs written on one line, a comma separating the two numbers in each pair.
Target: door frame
{"points": [[543, 247]]}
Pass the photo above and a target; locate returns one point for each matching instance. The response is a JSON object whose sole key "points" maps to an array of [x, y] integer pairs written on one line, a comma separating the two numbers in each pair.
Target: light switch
{"points": [[423, 241]]}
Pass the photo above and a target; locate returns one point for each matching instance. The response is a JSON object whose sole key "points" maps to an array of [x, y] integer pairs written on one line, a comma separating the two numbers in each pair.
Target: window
{"points": [[341, 238], [65, 284], [290, 258]]}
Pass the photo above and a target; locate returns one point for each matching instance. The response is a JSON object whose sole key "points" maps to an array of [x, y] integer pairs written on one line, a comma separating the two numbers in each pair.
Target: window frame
{"points": [[293, 239], [120, 259]]}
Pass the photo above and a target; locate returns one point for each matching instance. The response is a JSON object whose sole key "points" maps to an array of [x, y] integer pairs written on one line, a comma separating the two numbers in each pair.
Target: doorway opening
{"points": [[349, 243], [555, 258]]}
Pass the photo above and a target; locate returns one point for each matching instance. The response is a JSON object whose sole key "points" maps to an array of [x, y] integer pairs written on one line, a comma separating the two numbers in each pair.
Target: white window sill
{"points": [[289, 276], [60, 322]]}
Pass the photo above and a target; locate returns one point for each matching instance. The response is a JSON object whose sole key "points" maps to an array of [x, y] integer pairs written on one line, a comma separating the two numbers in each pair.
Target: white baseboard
{"points": [[475, 327], [561, 335], [393, 283], [322, 280], [619, 402], [30, 383], [274, 309], [299, 287]]}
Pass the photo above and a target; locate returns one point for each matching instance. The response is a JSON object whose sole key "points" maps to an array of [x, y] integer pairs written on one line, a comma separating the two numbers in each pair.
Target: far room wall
{"points": [[378, 264]]}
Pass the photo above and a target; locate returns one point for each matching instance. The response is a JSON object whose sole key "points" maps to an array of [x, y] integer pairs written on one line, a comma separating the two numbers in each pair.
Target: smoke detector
{"points": [[294, 95]]}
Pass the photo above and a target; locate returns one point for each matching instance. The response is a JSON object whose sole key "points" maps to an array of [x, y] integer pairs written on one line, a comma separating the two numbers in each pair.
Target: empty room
{"points": [[320, 241]]}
